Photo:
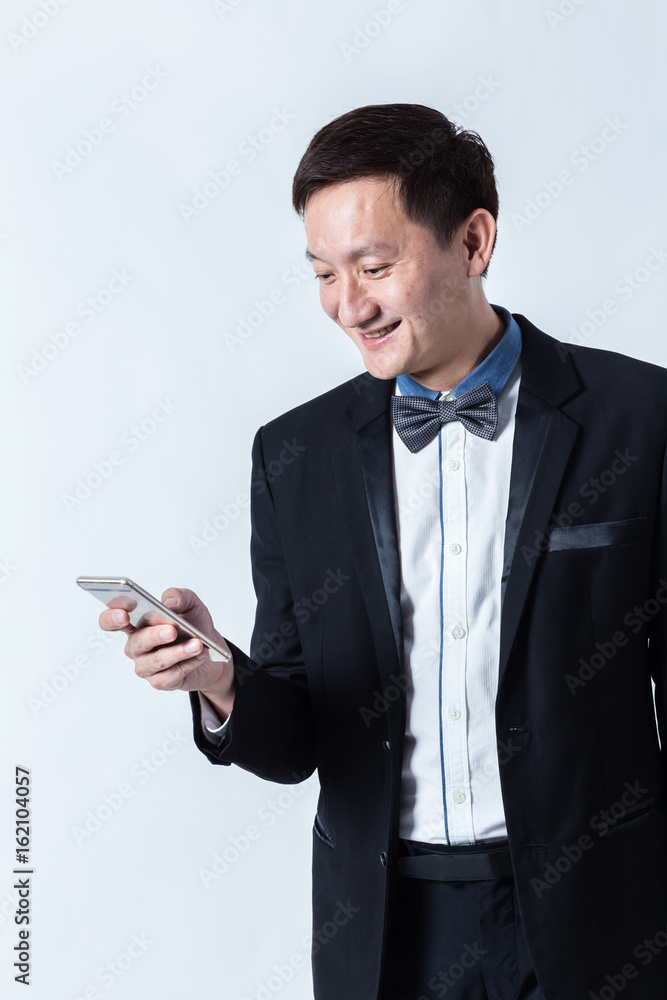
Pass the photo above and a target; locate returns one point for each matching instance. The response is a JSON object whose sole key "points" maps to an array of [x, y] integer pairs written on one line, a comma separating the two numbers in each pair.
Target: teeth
{"points": [[381, 333]]}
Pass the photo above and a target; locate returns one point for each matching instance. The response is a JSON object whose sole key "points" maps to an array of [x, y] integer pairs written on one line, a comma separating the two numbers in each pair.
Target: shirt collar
{"points": [[495, 369]]}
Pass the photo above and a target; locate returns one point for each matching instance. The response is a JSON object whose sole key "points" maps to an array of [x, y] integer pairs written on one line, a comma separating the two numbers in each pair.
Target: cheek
{"points": [[431, 296], [409, 301], [329, 302]]}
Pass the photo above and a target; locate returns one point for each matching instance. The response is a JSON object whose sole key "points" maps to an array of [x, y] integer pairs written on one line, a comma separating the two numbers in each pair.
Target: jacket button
{"points": [[387, 745], [383, 859]]}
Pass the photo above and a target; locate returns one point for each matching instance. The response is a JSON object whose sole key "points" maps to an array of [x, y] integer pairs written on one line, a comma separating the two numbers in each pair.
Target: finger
{"points": [[114, 620], [145, 640], [180, 599], [173, 678], [173, 661]]}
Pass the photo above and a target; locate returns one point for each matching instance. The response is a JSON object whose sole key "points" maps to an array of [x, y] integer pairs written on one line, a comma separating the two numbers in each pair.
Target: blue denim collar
{"points": [[495, 369]]}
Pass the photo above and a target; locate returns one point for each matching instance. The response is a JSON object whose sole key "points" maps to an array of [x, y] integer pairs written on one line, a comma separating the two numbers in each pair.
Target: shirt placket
{"points": [[454, 635]]}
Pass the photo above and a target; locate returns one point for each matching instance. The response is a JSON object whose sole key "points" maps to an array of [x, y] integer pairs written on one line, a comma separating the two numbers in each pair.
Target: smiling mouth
{"points": [[384, 332]]}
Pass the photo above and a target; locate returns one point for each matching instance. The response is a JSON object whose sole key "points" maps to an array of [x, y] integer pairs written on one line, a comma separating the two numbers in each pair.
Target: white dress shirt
{"points": [[451, 503]]}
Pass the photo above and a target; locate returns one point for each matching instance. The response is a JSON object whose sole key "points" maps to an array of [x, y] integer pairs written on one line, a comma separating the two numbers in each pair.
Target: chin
{"points": [[379, 363], [384, 371]]}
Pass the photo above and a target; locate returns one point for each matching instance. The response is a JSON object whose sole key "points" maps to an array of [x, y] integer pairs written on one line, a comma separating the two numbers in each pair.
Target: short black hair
{"points": [[442, 172]]}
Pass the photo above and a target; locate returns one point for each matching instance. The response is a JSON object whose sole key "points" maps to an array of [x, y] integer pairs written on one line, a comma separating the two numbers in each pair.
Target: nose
{"points": [[355, 305]]}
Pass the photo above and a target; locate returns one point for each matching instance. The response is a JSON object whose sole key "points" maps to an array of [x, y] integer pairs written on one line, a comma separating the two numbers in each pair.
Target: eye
{"points": [[368, 270]]}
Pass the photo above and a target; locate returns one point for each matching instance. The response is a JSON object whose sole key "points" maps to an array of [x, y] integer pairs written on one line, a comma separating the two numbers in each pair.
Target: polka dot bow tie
{"points": [[418, 419]]}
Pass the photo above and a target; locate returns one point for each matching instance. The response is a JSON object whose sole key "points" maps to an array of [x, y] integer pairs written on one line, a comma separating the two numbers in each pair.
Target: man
{"points": [[460, 565]]}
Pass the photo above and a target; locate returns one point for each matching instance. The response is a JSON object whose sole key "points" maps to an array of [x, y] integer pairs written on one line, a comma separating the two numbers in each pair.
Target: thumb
{"points": [[180, 599]]}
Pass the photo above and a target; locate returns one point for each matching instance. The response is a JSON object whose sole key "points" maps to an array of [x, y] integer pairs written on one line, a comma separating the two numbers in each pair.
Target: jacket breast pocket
{"points": [[595, 536], [322, 833], [637, 814]]}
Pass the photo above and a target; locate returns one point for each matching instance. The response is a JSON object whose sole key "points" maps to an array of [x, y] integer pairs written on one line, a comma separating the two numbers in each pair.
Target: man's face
{"points": [[379, 272]]}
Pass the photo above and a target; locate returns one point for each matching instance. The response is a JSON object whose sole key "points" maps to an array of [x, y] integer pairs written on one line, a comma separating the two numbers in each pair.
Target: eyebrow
{"points": [[373, 249]]}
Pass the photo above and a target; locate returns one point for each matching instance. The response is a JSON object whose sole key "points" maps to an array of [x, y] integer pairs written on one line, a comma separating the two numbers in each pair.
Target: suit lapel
{"points": [[543, 440], [363, 470]]}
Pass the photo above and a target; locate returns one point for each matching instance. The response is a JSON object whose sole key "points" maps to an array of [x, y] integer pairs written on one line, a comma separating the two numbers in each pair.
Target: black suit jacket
{"points": [[583, 631]]}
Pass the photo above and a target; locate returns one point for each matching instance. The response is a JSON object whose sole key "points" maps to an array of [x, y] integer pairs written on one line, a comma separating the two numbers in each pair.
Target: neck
{"points": [[480, 330]]}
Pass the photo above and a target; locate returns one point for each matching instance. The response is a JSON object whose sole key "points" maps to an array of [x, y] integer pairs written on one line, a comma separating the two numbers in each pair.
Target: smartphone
{"points": [[144, 609]]}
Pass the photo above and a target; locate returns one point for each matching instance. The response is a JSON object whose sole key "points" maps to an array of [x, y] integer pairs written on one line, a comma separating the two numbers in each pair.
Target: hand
{"points": [[177, 667]]}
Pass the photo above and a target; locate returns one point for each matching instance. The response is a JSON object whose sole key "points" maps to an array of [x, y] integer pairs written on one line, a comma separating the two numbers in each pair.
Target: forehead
{"points": [[360, 215]]}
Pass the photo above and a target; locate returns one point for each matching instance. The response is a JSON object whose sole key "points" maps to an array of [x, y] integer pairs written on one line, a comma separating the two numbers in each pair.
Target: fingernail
{"points": [[166, 633], [171, 602], [119, 617], [191, 646]]}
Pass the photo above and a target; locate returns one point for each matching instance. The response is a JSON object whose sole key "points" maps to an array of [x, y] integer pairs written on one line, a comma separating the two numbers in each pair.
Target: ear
{"points": [[478, 233]]}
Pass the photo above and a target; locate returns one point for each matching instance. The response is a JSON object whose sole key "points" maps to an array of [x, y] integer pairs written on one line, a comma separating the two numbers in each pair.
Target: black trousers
{"points": [[458, 940]]}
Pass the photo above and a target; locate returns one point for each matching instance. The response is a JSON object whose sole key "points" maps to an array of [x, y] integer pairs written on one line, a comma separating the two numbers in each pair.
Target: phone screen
{"points": [[143, 610], [140, 612]]}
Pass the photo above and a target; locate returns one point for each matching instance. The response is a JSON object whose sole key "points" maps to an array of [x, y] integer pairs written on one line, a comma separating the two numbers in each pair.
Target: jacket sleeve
{"points": [[271, 730], [657, 647]]}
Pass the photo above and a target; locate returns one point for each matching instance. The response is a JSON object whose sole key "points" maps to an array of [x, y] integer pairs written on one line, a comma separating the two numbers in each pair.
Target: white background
{"points": [[538, 85]]}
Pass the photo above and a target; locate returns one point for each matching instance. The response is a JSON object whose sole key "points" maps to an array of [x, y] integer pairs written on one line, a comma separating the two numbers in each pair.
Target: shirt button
{"points": [[383, 859], [453, 465], [455, 549], [454, 713], [387, 745], [458, 632], [459, 797]]}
